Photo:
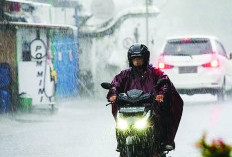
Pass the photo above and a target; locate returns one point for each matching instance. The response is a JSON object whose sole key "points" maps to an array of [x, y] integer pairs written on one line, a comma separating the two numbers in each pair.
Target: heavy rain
{"points": [[54, 55]]}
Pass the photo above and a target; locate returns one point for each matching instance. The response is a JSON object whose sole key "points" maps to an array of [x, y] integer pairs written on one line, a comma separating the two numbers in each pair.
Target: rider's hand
{"points": [[159, 98], [112, 98]]}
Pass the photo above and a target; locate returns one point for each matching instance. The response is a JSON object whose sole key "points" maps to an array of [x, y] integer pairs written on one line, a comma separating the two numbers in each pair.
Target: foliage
{"points": [[217, 148]]}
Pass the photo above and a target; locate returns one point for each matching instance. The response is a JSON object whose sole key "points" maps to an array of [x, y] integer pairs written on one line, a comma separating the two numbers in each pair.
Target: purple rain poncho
{"points": [[145, 81]]}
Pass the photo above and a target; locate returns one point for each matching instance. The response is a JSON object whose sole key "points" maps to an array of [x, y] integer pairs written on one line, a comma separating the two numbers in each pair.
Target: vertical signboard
{"points": [[34, 73]]}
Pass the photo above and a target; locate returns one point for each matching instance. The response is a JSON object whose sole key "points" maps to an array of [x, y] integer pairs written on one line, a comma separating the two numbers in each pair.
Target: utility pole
{"points": [[76, 17], [147, 24], [50, 11]]}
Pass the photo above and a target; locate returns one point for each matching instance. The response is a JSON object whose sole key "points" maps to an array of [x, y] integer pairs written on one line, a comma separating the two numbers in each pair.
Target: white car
{"points": [[197, 65]]}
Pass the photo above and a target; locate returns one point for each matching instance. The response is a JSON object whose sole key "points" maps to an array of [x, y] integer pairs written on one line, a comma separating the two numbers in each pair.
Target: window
{"points": [[221, 50], [194, 47]]}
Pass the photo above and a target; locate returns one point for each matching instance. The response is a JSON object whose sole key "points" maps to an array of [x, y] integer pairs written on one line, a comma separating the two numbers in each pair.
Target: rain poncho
{"points": [[145, 81]]}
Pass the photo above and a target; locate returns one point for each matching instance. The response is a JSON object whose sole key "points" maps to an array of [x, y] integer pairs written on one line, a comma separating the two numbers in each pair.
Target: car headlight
{"points": [[122, 124], [141, 124]]}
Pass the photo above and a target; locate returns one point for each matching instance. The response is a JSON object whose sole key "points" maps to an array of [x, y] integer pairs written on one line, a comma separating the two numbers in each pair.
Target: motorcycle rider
{"points": [[144, 77]]}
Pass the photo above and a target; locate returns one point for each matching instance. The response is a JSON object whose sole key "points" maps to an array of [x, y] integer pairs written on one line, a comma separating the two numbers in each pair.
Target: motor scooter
{"points": [[137, 128]]}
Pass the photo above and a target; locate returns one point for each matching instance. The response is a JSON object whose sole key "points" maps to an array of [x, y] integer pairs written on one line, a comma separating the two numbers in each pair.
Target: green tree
{"points": [[217, 148]]}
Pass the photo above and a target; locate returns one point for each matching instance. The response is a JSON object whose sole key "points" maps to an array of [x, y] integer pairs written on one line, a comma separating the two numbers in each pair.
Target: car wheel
{"points": [[221, 93], [229, 95]]}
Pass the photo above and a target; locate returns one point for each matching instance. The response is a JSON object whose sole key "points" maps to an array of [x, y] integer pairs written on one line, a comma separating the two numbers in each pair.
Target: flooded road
{"points": [[83, 128]]}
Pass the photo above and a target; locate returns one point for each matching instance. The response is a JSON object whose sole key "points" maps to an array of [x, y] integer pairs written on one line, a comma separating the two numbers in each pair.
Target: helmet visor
{"points": [[136, 55]]}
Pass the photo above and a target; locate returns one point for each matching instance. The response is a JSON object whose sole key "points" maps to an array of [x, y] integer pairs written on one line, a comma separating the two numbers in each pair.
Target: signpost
{"points": [[147, 28]]}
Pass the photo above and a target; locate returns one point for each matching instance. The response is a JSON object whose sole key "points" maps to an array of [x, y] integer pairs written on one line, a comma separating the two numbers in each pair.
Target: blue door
{"points": [[66, 63]]}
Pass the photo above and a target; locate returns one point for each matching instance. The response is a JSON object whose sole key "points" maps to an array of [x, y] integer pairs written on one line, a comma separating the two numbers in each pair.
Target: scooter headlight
{"points": [[141, 124], [122, 124]]}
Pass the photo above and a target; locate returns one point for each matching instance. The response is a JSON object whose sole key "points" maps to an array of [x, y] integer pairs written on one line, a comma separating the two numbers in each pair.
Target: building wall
{"points": [[8, 55]]}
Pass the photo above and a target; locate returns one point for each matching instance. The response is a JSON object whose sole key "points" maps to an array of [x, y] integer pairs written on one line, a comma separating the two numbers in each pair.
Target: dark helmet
{"points": [[138, 50]]}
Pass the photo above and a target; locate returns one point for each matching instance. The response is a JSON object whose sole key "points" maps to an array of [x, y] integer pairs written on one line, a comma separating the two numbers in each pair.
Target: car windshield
{"points": [[183, 48]]}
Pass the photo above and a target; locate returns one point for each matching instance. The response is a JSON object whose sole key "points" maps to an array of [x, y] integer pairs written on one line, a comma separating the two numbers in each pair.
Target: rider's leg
{"points": [[165, 122], [114, 112]]}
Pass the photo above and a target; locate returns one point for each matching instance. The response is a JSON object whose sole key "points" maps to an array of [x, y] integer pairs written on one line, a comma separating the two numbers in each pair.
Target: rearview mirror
{"points": [[230, 55], [106, 85]]}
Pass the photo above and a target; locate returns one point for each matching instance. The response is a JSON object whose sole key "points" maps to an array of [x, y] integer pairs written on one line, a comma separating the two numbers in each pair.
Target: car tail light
{"points": [[162, 65], [214, 63], [186, 40]]}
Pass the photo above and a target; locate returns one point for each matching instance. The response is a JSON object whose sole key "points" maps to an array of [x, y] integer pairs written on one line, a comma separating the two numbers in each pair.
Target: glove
{"points": [[159, 98]]}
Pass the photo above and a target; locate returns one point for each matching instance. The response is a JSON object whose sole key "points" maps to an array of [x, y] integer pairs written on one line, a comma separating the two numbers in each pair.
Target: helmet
{"points": [[138, 50]]}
